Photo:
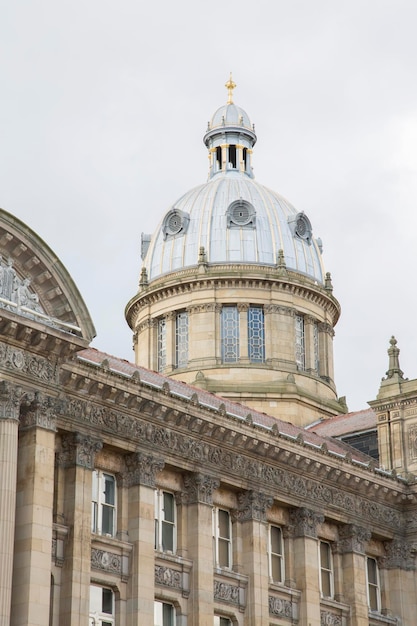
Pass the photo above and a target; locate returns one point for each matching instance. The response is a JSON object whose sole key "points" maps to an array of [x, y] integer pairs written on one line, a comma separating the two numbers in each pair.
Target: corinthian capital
{"points": [[305, 522], [38, 410], [199, 488], [399, 554], [253, 506], [142, 469], [10, 397], [78, 449], [352, 538]]}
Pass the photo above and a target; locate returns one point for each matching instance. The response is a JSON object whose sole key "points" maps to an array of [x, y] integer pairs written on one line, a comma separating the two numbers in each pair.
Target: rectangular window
{"points": [[256, 334], [101, 606], [316, 346], [181, 339], [103, 500], [222, 536], [222, 621], [230, 334], [300, 355], [276, 554], [374, 591], [165, 522], [326, 570], [162, 344], [164, 614]]}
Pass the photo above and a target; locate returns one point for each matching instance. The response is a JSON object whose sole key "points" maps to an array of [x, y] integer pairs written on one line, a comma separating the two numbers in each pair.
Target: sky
{"points": [[104, 104]]}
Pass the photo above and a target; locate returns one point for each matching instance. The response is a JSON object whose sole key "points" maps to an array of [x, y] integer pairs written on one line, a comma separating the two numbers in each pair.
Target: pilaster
{"points": [[351, 546], [398, 567]]}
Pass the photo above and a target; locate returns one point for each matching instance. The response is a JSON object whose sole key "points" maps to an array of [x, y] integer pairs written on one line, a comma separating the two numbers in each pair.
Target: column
{"points": [[326, 334], [243, 333], [252, 515], [351, 540], [140, 479], [309, 340], [34, 512], [77, 457], [199, 495], [9, 425], [306, 568], [398, 569]]}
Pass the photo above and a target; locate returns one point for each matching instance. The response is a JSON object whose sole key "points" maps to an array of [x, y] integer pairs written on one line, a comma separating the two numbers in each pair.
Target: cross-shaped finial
{"points": [[230, 85]]}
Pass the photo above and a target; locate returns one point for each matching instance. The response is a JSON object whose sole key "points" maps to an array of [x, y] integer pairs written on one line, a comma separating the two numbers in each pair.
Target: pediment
{"points": [[35, 285]]}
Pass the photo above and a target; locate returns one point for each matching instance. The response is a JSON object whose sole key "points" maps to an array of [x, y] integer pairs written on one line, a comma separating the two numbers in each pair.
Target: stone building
{"points": [[185, 489]]}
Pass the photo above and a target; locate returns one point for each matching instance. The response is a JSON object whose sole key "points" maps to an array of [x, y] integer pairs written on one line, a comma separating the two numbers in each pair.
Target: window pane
{"points": [[276, 540], [299, 342], [109, 490], [162, 347], [163, 614], [325, 555], [256, 334], [372, 575], [373, 598], [224, 553], [326, 587], [276, 568], [230, 334], [181, 339], [224, 525], [167, 537], [107, 520], [169, 507], [107, 601]]}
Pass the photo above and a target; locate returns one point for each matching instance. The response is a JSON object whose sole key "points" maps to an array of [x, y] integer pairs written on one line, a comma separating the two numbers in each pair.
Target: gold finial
{"points": [[230, 85]]}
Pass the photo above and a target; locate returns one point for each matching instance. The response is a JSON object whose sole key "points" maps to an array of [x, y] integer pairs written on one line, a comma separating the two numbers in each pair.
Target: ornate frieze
{"points": [[38, 410], [280, 607], [399, 554], [330, 619], [168, 577], [199, 488], [17, 360], [226, 592], [253, 506], [78, 449], [208, 307], [278, 308], [165, 440], [352, 538], [142, 469], [305, 522], [106, 561], [10, 397]]}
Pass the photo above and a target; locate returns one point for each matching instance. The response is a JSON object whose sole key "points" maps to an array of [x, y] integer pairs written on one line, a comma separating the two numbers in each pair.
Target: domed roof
{"points": [[235, 219]]}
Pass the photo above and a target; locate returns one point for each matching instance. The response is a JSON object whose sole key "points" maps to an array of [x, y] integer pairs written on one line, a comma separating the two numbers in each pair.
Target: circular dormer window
{"points": [[241, 213], [301, 226], [175, 223]]}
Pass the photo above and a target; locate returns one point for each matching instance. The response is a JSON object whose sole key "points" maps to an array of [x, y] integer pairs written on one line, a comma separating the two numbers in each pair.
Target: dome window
{"points": [[175, 223], [300, 226], [242, 214]]}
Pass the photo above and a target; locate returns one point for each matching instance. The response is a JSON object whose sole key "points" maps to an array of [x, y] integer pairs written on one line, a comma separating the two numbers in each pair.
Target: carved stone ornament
{"points": [[38, 410], [330, 619], [106, 561], [278, 308], [352, 538], [163, 440], [253, 506], [19, 361], [279, 607], [398, 555], [142, 469], [412, 443], [226, 592], [199, 488], [326, 328], [10, 397], [305, 522], [168, 577], [78, 449]]}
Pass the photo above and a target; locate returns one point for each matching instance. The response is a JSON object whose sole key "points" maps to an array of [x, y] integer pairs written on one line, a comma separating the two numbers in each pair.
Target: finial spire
{"points": [[394, 362], [230, 85]]}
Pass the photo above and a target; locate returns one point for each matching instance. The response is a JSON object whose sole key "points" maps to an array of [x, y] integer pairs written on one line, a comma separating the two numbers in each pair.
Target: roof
{"points": [[347, 424]]}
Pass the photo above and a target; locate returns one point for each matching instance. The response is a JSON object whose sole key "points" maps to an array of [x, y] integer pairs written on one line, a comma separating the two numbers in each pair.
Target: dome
{"points": [[230, 115], [236, 220]]}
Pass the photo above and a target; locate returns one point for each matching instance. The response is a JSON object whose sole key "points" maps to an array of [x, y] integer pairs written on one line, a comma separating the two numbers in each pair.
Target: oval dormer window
{"points": [[175, 223], [241, 213], [301, 226]]}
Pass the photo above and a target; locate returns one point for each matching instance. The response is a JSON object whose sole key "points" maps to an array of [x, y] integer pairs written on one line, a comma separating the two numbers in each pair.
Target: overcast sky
{"points": [[104, 104]]}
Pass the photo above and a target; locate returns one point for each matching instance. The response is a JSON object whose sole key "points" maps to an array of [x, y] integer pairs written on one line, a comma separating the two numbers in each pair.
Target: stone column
{"points": [[351, 540], [77, 457], [306, 569], [170, 340], [140, 477], [34, 512], [199, 495], [243, 332], [326, 334], [309, 326], [9, 424], [399, 570], [252, 515]]}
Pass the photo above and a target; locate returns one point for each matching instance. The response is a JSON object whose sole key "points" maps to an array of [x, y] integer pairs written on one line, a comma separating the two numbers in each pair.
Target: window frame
{"points": [[99, 504], [101, 617], [256, 334], [162, 523], [220, 540], [299, 342], [326, 570], [163, 621], [230, 333], [161, 343], [222, 620], [276, 557], [181, 339], [374, 585]]}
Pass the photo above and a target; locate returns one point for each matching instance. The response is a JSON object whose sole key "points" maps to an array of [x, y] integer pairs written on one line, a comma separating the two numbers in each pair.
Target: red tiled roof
{"points": [[345, 424]]}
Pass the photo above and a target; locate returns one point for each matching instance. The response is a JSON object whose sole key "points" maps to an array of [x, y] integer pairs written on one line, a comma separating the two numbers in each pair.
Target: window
{"points": [[103, 515], [230, 334], [181, 339], [299, 342], [316, 346], [326, 570], [276, 554], [101, 606], [162, 344], [222, 621], [165, 522], [164, 614], [222, 536], [256, 334], [374, 591]]}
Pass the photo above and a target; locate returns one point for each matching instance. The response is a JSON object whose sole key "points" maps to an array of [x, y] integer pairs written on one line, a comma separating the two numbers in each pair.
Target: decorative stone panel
{"points": [[330, 619], [17, 360], [399, 554], [280, 607]]}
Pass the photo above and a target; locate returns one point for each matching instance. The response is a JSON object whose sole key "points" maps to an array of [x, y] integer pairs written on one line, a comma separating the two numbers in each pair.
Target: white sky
{"points": [[103, 107]]}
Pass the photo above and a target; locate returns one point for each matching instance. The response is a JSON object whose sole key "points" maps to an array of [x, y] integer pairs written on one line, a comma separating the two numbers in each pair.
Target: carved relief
{"points": [[38, 410], [280, 607], [142, 469], [106, 561], [399, 554], [199, 488], [330, 619], [352, 538], [10, 396], [226, 592], [253, 506], [17, 360], [326, 328], [278, 308], [168, 577], [412, 442], [305, 522], [78, 450]]}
